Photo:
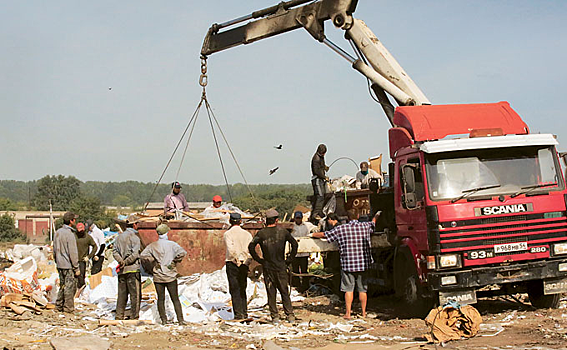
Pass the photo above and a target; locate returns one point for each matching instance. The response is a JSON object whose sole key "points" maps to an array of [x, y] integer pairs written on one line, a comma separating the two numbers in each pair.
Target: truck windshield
{"points": [[499, 171]]}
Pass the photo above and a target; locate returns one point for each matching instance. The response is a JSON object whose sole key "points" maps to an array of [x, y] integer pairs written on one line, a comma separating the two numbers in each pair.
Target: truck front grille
{"points": [[487, 232]]}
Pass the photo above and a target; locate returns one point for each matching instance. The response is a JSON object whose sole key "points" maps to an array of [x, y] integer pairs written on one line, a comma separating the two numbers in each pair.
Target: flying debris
{"points": [[274, 170], [278, 147], [110, 88]]}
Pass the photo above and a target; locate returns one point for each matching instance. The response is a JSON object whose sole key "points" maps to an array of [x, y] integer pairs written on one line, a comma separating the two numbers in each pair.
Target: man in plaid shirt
{"points": [[353, 239]]}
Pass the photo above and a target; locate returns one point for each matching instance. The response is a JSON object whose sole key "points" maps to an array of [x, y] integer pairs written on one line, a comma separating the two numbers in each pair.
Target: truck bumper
{"points": [[483, 276]]}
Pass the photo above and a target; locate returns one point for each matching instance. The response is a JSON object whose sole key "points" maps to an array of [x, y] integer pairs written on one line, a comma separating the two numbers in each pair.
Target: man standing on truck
{"points": [[175, 200], [272, 240], [365, 174], [67, 261], [127, 254], [237, 259], [353, 239], [84, 243], [318, 181]]}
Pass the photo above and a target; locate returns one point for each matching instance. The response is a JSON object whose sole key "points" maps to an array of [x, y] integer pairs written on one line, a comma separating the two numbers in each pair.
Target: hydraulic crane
{"points": [[373, 60]]}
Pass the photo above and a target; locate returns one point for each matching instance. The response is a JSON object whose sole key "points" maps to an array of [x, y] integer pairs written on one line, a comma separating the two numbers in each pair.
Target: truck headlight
{"points": [[560, 248], [449, 260]]}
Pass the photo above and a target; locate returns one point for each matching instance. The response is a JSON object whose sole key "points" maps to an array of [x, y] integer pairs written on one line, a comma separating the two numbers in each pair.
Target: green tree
{"points": [[59, 189], [90, 208], [8, 232], [7, 204]]}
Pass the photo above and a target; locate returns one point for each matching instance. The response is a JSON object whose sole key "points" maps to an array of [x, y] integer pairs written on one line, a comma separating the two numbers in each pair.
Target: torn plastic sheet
{"points": [[204, 297]]}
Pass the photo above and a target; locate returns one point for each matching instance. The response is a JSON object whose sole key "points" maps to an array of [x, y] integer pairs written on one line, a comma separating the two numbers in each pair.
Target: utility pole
{"points": [[50, 221]]}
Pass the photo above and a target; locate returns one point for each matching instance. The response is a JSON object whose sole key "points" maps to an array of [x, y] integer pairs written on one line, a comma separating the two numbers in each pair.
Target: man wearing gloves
{"points": [[127, 254], [163, 255], [67, 260], [236, 240], [272, 240], [84, 243]]}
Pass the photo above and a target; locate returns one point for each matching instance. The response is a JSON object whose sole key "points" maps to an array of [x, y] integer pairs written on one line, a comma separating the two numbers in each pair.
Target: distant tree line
{"points": [[89, 198]]}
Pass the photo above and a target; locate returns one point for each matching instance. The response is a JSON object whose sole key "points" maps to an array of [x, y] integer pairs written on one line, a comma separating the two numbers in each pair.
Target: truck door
{"points": [[410, 201]]}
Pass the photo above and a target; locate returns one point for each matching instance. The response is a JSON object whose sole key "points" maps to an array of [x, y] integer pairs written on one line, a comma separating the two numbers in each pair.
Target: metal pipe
{"points": [[262, 13], [339, 51], [234, 21]]}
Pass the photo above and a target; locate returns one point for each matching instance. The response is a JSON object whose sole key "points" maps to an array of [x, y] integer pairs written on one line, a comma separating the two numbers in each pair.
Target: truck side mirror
{"points": [[409, 197]]}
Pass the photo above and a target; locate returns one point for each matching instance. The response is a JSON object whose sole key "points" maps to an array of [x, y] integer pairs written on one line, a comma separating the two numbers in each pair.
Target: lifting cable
{"points": [[203, 79]]}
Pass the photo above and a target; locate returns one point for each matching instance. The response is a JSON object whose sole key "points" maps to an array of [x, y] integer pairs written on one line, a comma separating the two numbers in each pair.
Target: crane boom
{"points": [[373, 60]]}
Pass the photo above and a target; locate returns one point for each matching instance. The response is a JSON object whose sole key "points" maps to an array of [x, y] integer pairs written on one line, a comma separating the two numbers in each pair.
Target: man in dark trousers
{"points": [[67, 260], [163, 255], [84, 243], [236, 240], [272, 240], [318, 170], [127, 254]]}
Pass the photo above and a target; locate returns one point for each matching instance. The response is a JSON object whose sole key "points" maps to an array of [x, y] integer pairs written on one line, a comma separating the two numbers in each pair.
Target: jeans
{"points": [[173, 295], [277, 280], [129, 284], [319, 191], [237, 280], [67, 289]]}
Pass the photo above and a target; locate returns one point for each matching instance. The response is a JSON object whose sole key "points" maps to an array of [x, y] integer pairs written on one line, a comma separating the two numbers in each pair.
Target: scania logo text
{"points": [[503, 209]]}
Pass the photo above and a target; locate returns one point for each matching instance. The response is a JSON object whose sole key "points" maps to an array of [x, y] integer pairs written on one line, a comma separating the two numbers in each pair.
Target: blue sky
{"points": [[59, 59]]}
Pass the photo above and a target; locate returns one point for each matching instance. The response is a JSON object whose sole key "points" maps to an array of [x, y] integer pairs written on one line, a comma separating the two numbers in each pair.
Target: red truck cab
{"points": [[479, 205]]}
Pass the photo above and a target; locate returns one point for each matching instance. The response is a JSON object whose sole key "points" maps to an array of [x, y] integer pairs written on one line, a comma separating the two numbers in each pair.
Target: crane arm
{"points": [[373, 60], [278, 19]]}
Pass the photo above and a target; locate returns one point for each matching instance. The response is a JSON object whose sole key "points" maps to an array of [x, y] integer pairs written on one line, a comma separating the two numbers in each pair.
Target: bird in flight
{"points": [[110, 88], [278, 147], [274, 170]]}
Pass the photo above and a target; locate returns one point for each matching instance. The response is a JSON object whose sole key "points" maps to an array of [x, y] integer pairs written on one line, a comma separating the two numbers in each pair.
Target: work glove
{"points": [[77, 272], [86, 258], [95, 258], [326, 168], [118, 268]]}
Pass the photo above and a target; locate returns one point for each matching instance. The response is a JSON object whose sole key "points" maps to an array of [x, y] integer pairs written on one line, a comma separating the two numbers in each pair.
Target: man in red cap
{"points": [[217, 202], [175, 200]]}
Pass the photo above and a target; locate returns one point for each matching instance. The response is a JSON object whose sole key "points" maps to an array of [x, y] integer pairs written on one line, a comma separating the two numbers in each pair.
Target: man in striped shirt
{"points": [[353, 239]]}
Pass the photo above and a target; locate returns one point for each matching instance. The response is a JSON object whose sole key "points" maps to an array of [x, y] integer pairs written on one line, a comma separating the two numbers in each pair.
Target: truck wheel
{"points": [[540, 300], [410, 291]]}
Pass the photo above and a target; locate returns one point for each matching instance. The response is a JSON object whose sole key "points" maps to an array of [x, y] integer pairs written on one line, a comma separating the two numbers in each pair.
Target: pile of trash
{"points": [[221, 213], [204, 297]]}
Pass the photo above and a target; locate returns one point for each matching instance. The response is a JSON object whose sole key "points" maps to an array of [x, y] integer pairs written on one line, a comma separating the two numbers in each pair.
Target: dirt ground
{"points": [[506, 325]]}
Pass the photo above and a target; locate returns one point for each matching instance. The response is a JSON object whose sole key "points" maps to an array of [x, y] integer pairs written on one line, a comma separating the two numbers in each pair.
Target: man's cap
{"points": [[176, 185], [272, 213], [235, 216], [132, 219], [68, 216], [162, 229], [80, 226], [298, 215], [217, 198], [89, 223], [333, 216]]}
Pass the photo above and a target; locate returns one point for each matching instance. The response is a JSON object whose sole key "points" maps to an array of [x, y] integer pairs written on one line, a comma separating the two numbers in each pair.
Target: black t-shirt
{"points": [[272, 241]]}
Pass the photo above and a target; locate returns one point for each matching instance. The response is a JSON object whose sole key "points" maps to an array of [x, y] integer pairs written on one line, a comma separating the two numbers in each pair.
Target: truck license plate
{"points": [[554, 286], [510, 247]]}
